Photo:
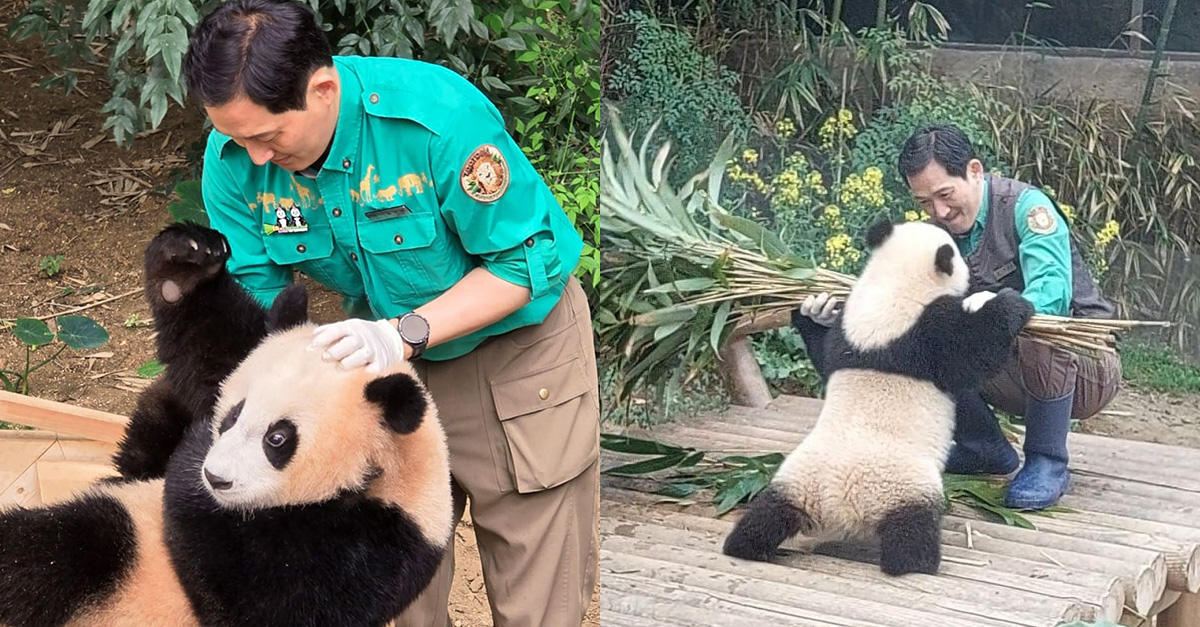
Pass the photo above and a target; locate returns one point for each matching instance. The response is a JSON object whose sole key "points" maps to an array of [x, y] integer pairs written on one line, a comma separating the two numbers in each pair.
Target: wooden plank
{"points": [[24, 491], [939, 595], [59, 480], [781, 598], [673, 605], [17, 455], [61, 417], [1104, 592], [87, 450]]}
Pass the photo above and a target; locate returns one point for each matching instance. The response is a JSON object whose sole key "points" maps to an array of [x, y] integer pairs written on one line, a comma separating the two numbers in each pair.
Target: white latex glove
{"points": [[820, 308], [975, 301], [354, 342]]}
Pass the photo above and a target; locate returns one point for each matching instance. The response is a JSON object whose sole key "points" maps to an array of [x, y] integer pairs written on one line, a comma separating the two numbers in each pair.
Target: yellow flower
{"points": [[814, 178], [833, 211], [1107, 234], [750, 156], [911, 216], [785, 127], [1068, 211]]}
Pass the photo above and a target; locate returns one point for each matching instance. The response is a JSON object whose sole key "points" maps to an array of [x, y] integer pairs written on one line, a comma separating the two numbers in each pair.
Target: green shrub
{"points": [[664, 77]]}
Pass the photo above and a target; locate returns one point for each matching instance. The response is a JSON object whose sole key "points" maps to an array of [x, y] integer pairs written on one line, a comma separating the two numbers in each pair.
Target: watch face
{"points": [[414, 328]]}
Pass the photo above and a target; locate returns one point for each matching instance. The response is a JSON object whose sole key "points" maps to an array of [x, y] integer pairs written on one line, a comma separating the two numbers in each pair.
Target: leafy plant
{"points": [[1158, 368], [736, 479], [190, 204], [664, 76], [75, 332], [51, 264], [150, 369]]}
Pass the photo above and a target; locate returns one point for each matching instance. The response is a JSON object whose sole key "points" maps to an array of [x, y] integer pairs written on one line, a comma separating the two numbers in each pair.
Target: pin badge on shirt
{"points": [[288, 219]]}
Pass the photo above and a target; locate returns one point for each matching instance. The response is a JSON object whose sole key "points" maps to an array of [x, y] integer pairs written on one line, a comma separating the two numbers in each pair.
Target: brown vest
{"points": [[995, 263]]}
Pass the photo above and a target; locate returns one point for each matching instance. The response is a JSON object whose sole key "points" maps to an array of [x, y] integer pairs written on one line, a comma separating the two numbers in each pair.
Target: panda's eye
{"points": [[277, 439]]}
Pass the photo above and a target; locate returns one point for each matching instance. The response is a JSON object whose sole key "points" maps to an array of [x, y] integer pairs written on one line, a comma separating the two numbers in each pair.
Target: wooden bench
{"points": [[1126, 554]]}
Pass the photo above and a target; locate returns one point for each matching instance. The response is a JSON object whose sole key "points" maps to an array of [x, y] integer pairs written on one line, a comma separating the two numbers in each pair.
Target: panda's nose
{"points": [[216, 482]]}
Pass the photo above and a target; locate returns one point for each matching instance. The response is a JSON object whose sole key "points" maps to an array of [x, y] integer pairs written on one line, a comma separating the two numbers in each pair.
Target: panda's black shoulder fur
{"points": [[201, 337], [290, 566], [57, 560], [947, 346]]}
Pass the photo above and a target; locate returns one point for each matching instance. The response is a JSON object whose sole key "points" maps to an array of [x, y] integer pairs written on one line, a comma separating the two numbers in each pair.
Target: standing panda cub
{"points": [[906, 342]]}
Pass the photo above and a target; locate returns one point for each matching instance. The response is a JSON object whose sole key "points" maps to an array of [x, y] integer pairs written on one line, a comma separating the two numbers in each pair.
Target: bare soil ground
{"points": [[66, 189]]}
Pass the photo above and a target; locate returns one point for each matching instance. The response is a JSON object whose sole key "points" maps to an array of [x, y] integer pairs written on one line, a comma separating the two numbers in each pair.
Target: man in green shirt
{"points": [[1012, 236], [394, 183]]}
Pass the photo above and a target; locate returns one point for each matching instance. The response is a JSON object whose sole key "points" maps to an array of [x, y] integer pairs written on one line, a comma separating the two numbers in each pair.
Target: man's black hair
{"points": [[264, 49], [945, 144]]}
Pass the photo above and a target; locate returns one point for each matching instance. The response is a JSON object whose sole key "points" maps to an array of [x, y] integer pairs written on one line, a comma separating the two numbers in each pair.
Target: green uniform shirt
{"points": [[1045, 258], [422, 184]]}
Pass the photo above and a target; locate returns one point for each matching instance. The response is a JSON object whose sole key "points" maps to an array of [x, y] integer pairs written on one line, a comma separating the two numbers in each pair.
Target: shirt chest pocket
{"points": [[310, 251], [405, 255]]}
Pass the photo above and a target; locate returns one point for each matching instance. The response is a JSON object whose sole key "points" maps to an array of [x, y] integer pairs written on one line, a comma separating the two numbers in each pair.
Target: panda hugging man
{"points": [[927, 339]]}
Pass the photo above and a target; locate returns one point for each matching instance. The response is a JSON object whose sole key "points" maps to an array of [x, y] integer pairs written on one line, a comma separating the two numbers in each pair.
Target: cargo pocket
{"points": [[550, 423]]}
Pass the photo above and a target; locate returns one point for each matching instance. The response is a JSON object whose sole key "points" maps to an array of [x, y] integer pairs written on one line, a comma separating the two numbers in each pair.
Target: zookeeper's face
{"points": [[952, 201], [292, 140]]}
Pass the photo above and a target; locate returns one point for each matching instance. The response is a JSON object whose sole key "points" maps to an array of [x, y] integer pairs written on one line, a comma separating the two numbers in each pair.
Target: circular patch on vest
{"points": [[485, 175], [1040, 221]]}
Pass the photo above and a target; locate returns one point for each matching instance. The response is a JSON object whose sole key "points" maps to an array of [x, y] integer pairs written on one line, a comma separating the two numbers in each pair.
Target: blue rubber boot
{"points": [[980, 447], [1045, 477]]}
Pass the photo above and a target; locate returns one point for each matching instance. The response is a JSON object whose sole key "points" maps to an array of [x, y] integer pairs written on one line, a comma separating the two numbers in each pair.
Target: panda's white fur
{"points": [[348, 531], [903, 346]]}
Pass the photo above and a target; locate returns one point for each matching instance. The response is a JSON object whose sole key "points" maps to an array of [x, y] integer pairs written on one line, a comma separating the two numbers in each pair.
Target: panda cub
{"points": [[906, 342], [324, 502]]}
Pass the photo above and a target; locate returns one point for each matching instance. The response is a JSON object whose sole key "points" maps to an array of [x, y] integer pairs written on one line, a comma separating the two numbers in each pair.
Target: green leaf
{"points": [[667, 315], [696, 284], [678, 490], [150, 369], [648, 466], [636, 446], [80, 332], [718, 328], [33, 332], [510, 43], [190, 206], [767, 241]]}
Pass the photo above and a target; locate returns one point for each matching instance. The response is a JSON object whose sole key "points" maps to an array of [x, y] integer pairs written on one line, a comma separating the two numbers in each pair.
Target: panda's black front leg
{"points": [[814, 336], [968, 340], [155, 428], [909, 540]]}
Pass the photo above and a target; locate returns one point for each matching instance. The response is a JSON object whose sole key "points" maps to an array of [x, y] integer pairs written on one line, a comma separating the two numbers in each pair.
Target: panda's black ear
{"points": [[944, 259], [402, 400], [290, 309], [878, 233]]}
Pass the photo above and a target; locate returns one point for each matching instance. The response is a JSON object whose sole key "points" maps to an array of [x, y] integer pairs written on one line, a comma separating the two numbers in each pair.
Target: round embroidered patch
{"points": [[1040, 220], [485, 174]]}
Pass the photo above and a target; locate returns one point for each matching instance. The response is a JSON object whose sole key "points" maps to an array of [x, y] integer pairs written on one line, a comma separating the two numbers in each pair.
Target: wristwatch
{"points": [[414, 331]]}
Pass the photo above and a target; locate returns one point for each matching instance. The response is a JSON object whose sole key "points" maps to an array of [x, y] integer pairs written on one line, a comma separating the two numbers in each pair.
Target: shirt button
{"points": [[374, 98], [337, 212], [399, 239], [529, 242], [346, 163], [353, 256], [544, 394], [301, 248]]}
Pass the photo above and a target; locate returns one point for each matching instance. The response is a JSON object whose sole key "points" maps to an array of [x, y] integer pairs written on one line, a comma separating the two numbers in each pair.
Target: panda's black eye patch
{"points": [[279, 443], [230, 418]]}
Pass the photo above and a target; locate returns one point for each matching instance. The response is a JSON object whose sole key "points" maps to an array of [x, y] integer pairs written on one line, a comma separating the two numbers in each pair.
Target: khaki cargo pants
{"points": [[1048, 373], [522, 421]]}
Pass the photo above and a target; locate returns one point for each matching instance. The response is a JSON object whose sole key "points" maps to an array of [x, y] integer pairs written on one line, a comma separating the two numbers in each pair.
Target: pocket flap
{"points": [[293, 248], [415, 230], [523, 395]]}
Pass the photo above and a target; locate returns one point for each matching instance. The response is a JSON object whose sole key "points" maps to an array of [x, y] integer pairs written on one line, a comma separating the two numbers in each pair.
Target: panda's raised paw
{"points": [[181, 257], [976, 301]]}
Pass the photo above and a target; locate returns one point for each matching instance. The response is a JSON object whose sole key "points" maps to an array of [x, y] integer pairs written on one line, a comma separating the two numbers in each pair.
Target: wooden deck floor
{"points": [[1126, 553]]}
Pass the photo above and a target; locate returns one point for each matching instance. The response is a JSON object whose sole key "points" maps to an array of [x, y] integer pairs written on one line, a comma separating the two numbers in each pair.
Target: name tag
{"points": [[1005, 270], [389, 212]]}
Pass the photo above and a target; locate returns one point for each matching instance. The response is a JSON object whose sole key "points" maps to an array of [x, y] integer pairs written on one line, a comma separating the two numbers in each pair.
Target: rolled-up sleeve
{"points": [[1045, 254], [500, 212], [237, 218]]}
